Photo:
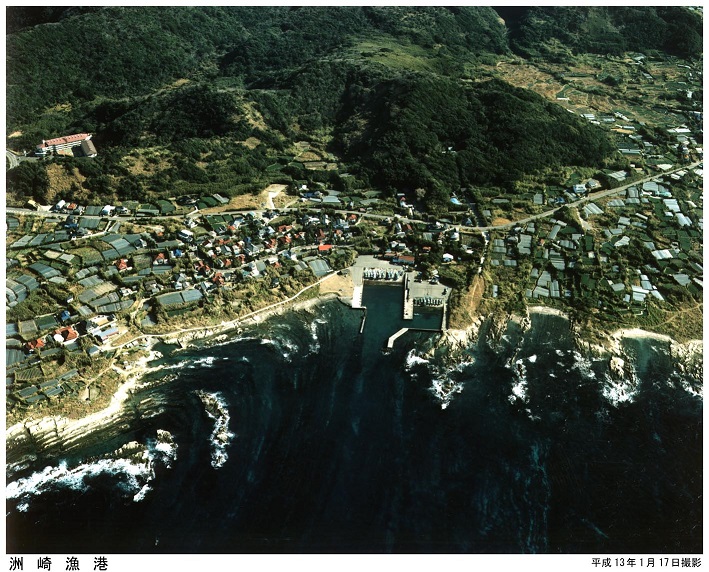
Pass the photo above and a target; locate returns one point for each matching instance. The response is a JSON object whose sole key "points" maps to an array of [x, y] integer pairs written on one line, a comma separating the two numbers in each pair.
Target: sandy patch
{"points": [[548, 311], [338, 284], [271, 192], [180, 82], [638, 333]]}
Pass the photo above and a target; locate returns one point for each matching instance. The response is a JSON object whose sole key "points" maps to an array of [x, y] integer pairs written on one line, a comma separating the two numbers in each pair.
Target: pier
{"points": [[357, 296], [408, 300], [396, 336]]}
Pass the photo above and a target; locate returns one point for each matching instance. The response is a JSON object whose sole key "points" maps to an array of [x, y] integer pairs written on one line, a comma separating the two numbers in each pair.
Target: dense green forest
{"points": [[599, 29], [387, 91]]}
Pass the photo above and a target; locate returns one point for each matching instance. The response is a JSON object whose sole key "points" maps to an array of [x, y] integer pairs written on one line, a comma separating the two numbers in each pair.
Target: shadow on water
{"points": [[339, 447]]}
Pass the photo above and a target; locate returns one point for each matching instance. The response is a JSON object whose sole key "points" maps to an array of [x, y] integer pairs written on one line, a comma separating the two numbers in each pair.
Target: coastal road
{"points": [[222, 326]]}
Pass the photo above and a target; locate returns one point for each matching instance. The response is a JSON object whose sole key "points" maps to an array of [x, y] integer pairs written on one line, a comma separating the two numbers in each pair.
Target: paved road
{"points": [[591, 197], [12, 159]]}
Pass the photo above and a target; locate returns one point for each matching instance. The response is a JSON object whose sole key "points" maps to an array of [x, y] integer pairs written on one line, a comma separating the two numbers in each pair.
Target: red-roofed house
{"points": [[122, 264], [32, 345], [66, 335], [325, 248]]}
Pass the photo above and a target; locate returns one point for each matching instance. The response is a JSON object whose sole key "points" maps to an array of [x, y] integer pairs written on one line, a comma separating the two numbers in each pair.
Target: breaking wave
{"points": [[287, 348], [412, 360], [133, 465], [447, 380], [617, 391], [315, 343], [519, 389]]}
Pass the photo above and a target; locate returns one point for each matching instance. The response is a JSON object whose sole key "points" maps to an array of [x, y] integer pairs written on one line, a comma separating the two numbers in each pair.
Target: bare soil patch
{"points": [[341, 285], [530, 77], [465, 306], [149, 164]]}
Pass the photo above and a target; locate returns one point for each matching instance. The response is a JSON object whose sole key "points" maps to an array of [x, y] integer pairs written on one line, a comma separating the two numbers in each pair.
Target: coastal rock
{"points": [[689, 357], [617, 367], [215, 407]]}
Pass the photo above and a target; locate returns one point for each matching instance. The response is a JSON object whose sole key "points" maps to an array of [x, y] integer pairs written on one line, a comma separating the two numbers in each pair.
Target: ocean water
{"points": [[301, 435]]}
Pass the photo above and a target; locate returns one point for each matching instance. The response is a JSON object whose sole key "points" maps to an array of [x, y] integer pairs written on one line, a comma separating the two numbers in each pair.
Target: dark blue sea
{"points": [[300, 435]]}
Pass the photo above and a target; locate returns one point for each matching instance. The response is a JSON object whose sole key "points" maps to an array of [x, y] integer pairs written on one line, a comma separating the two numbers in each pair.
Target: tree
{"points": [[29, 180]]}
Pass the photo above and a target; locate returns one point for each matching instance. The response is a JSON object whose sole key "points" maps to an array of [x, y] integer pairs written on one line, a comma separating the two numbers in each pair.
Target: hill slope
{"points": [[222, 94]]}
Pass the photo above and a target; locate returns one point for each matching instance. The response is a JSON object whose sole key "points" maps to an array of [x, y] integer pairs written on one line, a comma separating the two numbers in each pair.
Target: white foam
{"points": [[444, 390], [620, 390], [179, 365], [315, 345], [443, 385], [413, 360], [207, 361], [140, 495], [519, 389], [134, 473], [286, 347], [691, 389], [532, 359], [583, 365]]}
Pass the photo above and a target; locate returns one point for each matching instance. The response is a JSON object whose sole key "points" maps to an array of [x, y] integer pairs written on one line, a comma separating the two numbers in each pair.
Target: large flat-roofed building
{"points": [[59, 144]]}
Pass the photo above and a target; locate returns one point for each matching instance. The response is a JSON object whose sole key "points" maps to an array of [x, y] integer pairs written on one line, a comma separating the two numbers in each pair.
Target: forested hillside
{"points": [[535, 29], [182, 99]]}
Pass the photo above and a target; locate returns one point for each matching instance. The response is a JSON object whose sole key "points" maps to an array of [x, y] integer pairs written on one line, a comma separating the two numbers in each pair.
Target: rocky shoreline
{"points": [[687, 356], [52, 436]]}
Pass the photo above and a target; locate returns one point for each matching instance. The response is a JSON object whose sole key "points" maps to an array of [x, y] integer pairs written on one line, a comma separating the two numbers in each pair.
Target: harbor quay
{"points": [[416, 291]]}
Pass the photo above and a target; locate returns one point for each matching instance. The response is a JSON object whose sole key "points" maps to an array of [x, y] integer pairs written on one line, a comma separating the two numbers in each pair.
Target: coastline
{"points": [[43, 434], [49, 433], [546, 310]]}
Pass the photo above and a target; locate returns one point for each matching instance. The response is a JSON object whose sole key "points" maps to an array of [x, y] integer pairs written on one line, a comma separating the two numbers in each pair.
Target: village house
{"points": [[65, 335]]}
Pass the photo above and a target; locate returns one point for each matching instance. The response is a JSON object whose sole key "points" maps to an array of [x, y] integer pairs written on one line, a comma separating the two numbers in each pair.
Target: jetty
{"points": [[408, 300], [396, 336], [357, 296]]}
